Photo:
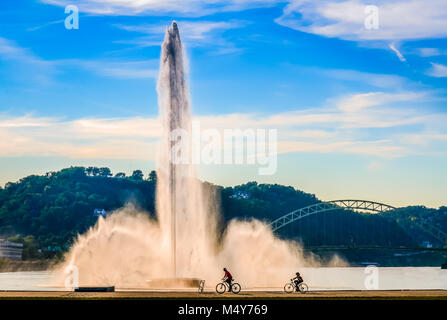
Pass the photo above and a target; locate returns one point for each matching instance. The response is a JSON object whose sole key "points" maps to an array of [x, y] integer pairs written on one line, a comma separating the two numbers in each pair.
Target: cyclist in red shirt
{"points": [[228, 277]]}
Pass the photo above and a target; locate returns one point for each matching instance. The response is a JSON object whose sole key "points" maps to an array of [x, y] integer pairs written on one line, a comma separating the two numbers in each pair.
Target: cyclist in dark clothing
{"points": [[297, 280], [228, 277]]}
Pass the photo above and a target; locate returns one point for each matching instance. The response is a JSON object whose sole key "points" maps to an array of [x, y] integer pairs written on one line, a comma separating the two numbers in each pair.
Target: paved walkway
{"points": [[404, 294]]}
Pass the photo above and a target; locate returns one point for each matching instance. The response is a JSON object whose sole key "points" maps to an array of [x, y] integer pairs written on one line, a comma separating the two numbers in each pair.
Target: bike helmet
{"points": [[225, 269], [297, 273]]}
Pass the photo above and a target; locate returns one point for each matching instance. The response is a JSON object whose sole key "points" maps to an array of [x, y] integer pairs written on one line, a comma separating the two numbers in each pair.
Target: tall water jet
{"points": [[179, 195], [174, 111]]}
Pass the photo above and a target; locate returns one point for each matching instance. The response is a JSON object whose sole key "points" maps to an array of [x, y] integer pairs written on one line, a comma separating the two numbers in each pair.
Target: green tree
{"points": [[89, 171], [95, 171], [137, 175], [105, 172], [153, 176]]}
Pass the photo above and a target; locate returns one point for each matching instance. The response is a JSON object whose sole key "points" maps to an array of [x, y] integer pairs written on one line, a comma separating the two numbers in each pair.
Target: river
{"points": [[401, 278]]}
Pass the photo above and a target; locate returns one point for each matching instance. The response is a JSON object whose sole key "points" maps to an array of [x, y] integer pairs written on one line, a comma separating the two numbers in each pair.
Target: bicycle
{"points": [[224, 286], [291, 287]]}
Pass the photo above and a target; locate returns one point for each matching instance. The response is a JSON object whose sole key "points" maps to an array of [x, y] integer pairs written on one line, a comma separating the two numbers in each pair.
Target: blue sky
{"points": [[361, 113]]}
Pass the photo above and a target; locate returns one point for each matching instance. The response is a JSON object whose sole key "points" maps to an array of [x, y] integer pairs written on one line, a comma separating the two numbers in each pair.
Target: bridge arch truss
{"points": [[363, 205]]}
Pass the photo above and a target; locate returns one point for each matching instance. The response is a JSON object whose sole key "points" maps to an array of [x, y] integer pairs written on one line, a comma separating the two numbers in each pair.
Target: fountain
{"points": [[128, 249]]}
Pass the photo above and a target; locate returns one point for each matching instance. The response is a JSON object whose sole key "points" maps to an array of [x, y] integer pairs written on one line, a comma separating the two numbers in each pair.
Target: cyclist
{"points": [[297, 280], [227, 277]]}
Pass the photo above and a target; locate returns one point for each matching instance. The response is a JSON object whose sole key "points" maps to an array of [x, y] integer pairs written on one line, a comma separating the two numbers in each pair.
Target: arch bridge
{"points": [[363, 205]]}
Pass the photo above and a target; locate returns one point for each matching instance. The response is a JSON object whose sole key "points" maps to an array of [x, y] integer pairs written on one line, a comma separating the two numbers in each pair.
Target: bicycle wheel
{"points": [[303, 287], [289, 288], [220, 288], [236, 288]]}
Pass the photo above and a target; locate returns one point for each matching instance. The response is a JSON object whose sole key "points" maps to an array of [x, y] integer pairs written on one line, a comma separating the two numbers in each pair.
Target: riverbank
{"points": [[26, 265], [385, 257]]}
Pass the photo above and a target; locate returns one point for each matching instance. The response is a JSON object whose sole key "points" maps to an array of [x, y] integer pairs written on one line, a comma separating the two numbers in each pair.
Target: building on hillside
{"points": [[427, 244], [99, 212], [240, 195], [10, 250]]}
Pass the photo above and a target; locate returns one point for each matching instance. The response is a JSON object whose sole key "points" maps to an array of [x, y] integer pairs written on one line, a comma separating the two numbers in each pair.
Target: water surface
{"points": [[416, 278]]}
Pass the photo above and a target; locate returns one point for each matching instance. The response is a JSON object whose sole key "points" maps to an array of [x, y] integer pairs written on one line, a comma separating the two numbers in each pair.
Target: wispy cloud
{"points": [[397, 52], [83, 138], [344, 127], [398, 19], [33, 68], [45, 25], [429, 52], [162, 7], [373, 79], [145, 69], [197, 30], [437, 70], [11, 51], [41, 71], [193, 33], [357, 102]]}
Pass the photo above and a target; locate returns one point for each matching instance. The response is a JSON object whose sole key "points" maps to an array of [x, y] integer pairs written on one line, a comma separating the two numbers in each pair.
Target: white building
{"points": [[427, 244], [10, 250]]}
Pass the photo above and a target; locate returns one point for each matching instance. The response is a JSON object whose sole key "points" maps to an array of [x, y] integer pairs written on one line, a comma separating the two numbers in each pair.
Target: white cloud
{"points": [[193, 34], [374, 79], [118, 69], [82, 138], [358, 102], [41, 71], [398, 19], [423, 138], [315, 134], [11, 51], [341, 128], [197, 30], [429, 52], [45, 25], [25, 122], [162, 7], [35, 69], [437, 70]]}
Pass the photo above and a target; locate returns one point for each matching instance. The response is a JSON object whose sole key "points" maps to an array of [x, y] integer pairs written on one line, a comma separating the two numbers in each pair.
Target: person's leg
{"points": [[229, 280], [297, 286]]}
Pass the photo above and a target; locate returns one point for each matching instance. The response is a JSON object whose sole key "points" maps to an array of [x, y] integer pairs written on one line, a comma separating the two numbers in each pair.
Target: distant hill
{"points": [[340, 227], [422, 224], [55, 207], [47, 212]]}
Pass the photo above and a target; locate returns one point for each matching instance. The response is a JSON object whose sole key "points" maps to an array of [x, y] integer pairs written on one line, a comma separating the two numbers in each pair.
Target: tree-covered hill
{"points": [[263, 201], [55, 207], [422, 223], [341, 227], [47, 212]]}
